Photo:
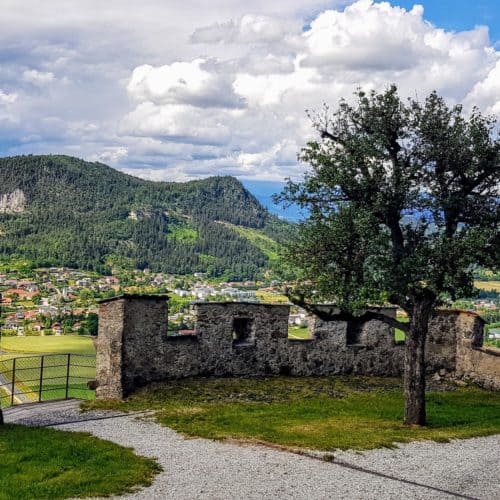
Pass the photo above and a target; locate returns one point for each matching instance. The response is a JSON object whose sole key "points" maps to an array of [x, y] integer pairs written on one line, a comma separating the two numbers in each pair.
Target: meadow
{"points": [[62, 376], [323, 413], [75, 344], [489, 286]]}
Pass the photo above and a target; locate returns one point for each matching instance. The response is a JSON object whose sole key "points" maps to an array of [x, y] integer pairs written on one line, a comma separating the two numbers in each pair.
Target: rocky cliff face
{"points": [[12, 203]]}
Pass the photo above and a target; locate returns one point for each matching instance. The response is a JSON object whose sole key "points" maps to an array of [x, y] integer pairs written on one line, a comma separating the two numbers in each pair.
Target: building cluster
{"points": [[54, 301], [47, 301]]}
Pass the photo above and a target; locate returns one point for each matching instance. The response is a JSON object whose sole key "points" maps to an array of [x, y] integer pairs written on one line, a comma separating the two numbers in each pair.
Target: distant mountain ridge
{"points": [[60, 210]]}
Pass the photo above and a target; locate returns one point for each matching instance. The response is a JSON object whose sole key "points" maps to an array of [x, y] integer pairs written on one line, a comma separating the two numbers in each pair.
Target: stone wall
{"points": [[131, 344], [475, 362], [250, 339]]}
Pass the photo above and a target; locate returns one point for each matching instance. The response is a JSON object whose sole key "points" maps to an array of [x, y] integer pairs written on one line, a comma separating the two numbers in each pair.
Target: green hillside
{"points": [[59, 210]]}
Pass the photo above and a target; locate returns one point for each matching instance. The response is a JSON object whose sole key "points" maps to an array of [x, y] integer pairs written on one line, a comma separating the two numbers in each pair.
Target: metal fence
{"points": [[32, 379]]}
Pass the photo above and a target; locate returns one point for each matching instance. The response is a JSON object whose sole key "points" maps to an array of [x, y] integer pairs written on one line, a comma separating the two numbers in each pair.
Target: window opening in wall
{"points": [[243, 331], [355, 334]]}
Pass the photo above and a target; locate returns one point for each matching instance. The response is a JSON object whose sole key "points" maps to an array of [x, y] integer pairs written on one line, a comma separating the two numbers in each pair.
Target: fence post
{"points": [[67, 376], [41, 379], [13, 388]]}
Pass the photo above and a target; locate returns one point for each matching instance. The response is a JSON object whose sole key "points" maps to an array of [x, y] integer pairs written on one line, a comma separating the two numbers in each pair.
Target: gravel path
{"points": [[204, 469]]}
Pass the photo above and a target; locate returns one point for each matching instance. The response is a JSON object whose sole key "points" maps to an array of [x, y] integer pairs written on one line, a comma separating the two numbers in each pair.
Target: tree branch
{"points": [[332, 313], [327, 135]]}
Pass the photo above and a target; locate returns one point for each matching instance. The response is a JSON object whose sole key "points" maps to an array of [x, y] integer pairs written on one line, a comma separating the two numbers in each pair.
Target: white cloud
{"points": [[247, 29], [197, 83], [177, 90], [6, 98], [38, 77], [110, 155], [486, 93], [177, 123]]}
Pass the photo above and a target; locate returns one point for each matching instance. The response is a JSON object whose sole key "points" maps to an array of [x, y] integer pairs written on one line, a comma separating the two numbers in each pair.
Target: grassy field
{"points": [[55, 364], [324, 413], [45, 463], [488, 285], [299, 332], [266, 244], [271, 298], [55, 376], [74, 344]]}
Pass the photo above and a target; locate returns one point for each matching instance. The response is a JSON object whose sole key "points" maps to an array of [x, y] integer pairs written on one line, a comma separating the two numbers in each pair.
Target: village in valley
{"points": [[62, 301]]}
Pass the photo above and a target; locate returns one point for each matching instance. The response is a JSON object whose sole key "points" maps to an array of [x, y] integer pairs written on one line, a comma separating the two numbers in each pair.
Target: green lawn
{"points": [[28, 366], [55, 375], [298, 332], [399, 335], [44, 463], [324, 413], [75, 344]]}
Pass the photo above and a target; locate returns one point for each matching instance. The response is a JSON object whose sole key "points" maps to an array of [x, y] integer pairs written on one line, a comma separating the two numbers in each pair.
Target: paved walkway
{"points": [[204, 469], [6, 384]]}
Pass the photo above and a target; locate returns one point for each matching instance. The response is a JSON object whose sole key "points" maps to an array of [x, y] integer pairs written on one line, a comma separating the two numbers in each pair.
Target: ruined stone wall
{"points": [[250, 339], [108, 345], [475, 362], [130, 344], [262, 352]]}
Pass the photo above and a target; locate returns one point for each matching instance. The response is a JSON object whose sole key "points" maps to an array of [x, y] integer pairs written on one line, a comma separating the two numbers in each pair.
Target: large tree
{"points": [[403, 202]]}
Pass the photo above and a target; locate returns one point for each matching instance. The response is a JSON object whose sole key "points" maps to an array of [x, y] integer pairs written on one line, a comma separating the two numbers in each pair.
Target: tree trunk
{"points": [[414, 368], [1, 416]]}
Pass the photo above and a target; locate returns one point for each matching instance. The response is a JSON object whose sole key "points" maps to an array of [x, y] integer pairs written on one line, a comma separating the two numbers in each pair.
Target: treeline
{"points": [[90, 216]]}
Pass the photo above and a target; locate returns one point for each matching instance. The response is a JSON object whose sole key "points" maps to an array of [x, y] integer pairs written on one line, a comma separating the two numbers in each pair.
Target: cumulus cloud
{"points": [[196, 82], [153, 90], [486, 93], [177, 123], [368, 36], [110, 155]]}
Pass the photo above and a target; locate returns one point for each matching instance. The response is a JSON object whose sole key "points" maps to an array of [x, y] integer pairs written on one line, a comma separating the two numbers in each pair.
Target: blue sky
{"points": [[459, 15], [170, 90]]}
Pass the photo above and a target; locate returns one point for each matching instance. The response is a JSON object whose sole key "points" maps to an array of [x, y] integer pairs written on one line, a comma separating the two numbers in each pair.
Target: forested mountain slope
{"points": [[59, 210]]}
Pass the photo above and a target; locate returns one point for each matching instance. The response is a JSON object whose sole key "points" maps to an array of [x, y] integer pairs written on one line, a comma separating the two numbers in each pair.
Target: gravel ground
{"points": [[200, 468]]}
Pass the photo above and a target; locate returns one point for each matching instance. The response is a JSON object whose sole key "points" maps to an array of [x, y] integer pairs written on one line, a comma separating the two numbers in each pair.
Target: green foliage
{"points": [[182, 233], [46, 463], [324, 413], [89, 216], [90, 325], [403, 200], [177, 304]]}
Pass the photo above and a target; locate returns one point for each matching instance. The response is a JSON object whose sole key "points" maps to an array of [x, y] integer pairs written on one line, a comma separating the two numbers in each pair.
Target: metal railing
{"points": [[31, 379]]}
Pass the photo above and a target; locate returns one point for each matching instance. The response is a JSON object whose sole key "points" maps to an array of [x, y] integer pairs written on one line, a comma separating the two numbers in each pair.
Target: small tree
{"points": [[403, 201]]}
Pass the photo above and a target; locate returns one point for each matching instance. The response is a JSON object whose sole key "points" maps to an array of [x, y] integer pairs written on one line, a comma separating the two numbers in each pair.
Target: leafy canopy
{"points": [[403, 199]]}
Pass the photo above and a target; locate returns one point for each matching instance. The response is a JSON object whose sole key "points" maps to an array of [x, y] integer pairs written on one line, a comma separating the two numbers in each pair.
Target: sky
{"points": [[171, 90]]}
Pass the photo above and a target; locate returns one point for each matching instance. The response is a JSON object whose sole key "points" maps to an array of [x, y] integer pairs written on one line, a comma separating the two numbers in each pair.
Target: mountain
{"points": [[60, 210]]}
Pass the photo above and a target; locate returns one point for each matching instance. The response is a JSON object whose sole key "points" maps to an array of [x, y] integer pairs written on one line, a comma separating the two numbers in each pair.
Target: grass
{"points": [[399, 335], [299, 332], [27, 350], [48, 344], [55, 375], [492, 343], [267, 245], [46, 463], [271, 297], [323, 413], [489, 286], [183, 233]]}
